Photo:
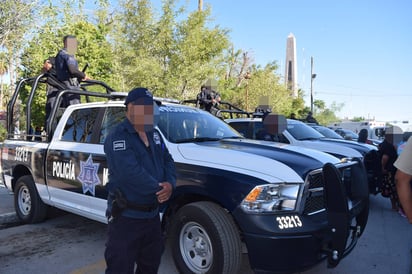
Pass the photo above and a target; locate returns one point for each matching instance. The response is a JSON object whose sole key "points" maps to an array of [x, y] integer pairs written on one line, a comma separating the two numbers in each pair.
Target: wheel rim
{"points": [[24, 201], [196, 247]]}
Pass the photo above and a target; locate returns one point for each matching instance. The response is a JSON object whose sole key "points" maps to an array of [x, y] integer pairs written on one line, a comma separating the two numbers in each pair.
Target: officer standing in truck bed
{"points": [[67, 69]]}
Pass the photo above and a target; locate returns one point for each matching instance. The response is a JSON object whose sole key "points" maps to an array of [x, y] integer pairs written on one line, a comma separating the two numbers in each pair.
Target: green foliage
{"points": [[358, 119], [3, 132], [326, 115], [93, 48], [265, 84], [171, 58], [15, 19], [298, 106]]}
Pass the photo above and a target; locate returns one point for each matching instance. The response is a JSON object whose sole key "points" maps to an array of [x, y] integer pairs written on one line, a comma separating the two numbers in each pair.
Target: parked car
{"points": [[331, 136], [330, 133], [347, 134], [327, 132], [297, 133], [369, 152], [300, 134]]}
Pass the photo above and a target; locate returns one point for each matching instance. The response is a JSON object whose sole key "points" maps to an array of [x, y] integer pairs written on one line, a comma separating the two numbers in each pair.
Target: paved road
{"points": [[7, 213], [74, 245]]}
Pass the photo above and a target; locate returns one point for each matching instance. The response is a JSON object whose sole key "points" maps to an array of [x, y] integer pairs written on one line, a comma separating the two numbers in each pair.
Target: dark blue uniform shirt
{"points": [[136, 169], [67, 66]]}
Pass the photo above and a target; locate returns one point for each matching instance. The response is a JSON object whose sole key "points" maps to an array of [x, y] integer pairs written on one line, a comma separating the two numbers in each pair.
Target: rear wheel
{"points": [[205, 239], [27, 202]]}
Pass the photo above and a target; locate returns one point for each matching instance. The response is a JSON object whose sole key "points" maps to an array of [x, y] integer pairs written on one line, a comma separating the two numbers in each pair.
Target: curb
{"points": [[8, 218]]}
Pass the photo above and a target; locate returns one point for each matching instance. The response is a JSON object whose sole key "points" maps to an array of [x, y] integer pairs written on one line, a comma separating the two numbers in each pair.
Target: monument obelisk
{"points": [[291, 66]]}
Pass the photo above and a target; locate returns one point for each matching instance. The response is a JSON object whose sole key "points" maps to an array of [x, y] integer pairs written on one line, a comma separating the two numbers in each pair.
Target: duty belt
{"points": [[138, 207], [71, 82]]}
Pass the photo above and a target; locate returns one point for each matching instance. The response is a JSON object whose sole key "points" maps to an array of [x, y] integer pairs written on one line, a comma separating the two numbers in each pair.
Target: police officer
{"points": [[208, 98], [67, 69], [141, 176], [53, 85], [310, 118]]}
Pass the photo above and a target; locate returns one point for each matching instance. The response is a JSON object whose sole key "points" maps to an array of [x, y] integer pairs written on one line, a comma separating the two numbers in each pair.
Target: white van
{"points": [[376, 129]]}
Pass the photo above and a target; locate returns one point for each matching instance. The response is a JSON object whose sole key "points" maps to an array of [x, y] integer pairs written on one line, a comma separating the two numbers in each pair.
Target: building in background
{"points": [[291, 66]]}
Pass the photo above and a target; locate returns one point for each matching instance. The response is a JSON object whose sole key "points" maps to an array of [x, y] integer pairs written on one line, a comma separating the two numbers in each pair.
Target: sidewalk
{"points": [[7, 212]]}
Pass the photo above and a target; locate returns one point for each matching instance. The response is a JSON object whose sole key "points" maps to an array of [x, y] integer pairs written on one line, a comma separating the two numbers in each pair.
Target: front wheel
{"points": [[27, 202], [205, 239]]}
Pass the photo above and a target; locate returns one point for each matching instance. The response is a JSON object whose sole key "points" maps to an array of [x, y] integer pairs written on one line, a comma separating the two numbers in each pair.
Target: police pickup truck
{"points": [[290, 208]]}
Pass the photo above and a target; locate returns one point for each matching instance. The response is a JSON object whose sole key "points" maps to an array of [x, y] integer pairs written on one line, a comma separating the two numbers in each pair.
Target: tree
{"points": [[325, 115], [171, 58], [16, 17], [264, 83], [200, 53], [3, 70], [298, 106], [93, 47], [248, 86], [171, 52]]}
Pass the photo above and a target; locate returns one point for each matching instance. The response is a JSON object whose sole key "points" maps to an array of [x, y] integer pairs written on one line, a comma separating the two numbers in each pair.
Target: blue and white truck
{"points": [[288, 207]]}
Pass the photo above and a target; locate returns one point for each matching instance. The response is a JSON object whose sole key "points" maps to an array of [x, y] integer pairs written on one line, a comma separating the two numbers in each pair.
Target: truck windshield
{"points": [[182, 125], [327, 132], [301, 131]]}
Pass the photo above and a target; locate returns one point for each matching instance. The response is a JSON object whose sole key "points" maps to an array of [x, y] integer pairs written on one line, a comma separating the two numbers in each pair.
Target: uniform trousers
{"points": [[68, 98], [134, 246]]}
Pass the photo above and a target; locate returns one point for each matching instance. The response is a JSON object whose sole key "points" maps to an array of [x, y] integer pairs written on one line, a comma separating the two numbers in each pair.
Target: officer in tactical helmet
{"points": [[209, 98]]}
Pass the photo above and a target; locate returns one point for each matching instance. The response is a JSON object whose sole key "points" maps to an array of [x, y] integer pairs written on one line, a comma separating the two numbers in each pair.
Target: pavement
{"points": [[7, 212], [385, 246]]}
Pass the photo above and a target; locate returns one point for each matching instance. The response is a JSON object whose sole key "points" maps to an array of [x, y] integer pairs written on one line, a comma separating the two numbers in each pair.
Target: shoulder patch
{"points": [[119, 145], [156, 138]]}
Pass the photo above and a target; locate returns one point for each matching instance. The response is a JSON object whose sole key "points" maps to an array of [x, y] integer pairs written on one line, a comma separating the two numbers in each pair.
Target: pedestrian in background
{"points": [[141, 176], [403, 178], [388, 156], [310, 118], [363, 137], [37, 134]]}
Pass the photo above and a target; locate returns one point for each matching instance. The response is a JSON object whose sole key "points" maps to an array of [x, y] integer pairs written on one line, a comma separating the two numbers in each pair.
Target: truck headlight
{"points": [[271, 198]]}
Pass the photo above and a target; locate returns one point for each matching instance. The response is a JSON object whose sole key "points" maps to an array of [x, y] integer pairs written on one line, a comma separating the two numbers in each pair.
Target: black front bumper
{"points": [[330, 234]]}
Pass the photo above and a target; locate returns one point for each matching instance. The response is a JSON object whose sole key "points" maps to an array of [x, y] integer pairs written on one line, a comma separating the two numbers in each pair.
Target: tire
{"points": [[29, 207], [204, 239]]}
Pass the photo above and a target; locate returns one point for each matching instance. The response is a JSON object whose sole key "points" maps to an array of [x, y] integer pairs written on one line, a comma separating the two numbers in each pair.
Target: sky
{"points": [[362, 50]]}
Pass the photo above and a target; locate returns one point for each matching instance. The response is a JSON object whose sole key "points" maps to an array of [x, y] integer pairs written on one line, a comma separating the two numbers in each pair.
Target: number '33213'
{"points": [[286, 222]]}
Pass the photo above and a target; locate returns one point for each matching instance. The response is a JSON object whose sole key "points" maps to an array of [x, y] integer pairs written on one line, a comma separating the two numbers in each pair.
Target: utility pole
{"points": [[247, 76], [312, 76], [200, 5]]}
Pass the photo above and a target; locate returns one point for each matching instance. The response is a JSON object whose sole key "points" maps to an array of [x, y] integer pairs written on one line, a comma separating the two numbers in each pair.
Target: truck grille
{"points": [[313, 196]]}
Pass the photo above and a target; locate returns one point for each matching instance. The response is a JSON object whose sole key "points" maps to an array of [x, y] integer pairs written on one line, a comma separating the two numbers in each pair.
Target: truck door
{"points": [[75, 162]]}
